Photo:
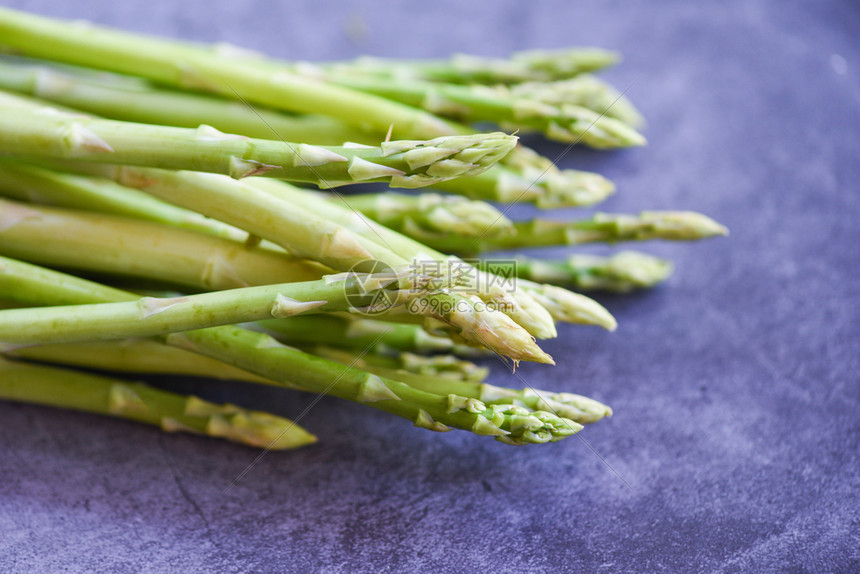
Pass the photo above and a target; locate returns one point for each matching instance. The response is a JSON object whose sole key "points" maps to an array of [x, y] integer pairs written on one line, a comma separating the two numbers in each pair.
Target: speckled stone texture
{"points": [[734, 447]]}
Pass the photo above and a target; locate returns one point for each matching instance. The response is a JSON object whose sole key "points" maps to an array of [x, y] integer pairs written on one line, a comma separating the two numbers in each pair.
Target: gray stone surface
{"points": [[735, 385]]}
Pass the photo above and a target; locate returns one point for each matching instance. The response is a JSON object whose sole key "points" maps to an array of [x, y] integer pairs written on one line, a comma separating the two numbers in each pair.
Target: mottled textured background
{"points": [[735, 385]]}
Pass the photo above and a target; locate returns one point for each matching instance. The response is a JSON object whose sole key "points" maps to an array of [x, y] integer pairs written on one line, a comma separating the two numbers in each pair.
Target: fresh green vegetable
{"points": [[55, 387], [601, 228], [621, 273]]}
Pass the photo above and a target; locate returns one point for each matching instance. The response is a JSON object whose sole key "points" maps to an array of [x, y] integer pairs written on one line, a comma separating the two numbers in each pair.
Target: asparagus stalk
{"points": [[150, 316], [244, 205], [235, 202], [399, 163], [262, 355], [47, 240], [510, 424], [566, 122], [431, 214], [527, 66], [173, 64], [603, 227], [620, 273], [51, 386], [566, 62], [578, 408]]}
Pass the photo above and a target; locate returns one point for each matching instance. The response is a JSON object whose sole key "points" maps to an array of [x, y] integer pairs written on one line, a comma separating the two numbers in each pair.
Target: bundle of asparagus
{"points": [[167, 170]]}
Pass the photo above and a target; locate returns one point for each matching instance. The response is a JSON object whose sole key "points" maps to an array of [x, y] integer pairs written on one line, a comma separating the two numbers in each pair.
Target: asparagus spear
{"points": [[262, 355], [566, 62], [237, 203], [174, 64], [575, 407], [245, 206], [566, 122], [151, 316], [621, 273], [51, 386], [603, 227], [224, 263], [399, 163], [177, 65], [514, 425], [569, 307], [527, 66]]}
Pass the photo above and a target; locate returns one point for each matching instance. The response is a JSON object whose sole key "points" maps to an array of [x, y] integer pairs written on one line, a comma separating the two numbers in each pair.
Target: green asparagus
{"points": [[51, 386], [149, 316], [620, 273], [399, 163], [603, 227], [526, 66], [566, 122]]}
